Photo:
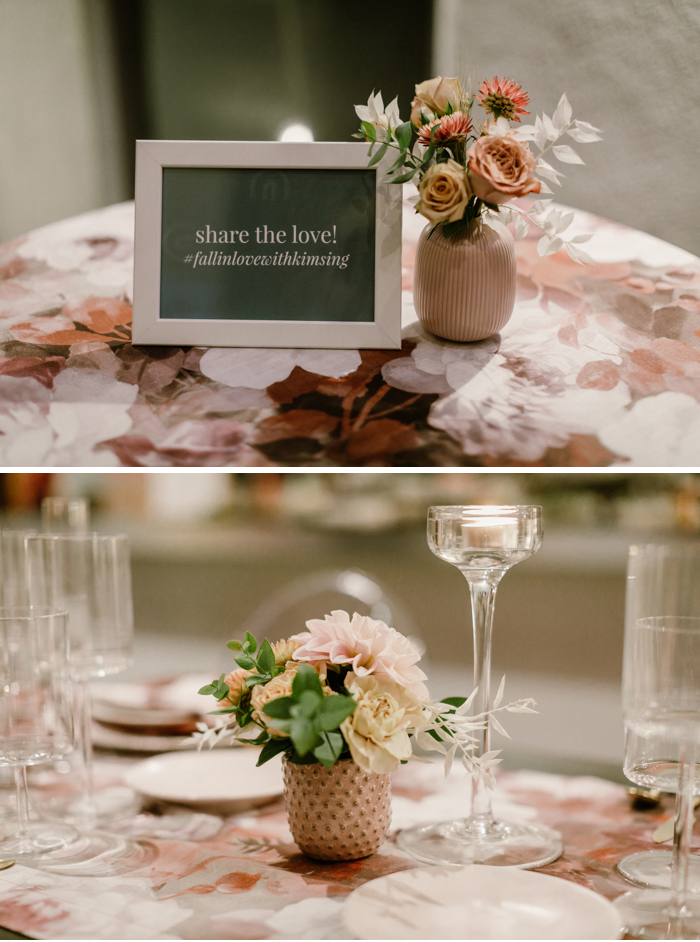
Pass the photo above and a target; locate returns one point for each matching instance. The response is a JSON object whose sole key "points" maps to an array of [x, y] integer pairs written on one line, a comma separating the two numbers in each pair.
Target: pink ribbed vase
{"points": [[464, 286]]}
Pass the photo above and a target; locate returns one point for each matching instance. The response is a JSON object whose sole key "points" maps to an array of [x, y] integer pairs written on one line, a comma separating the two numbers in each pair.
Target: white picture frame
{"points": [[149, 328]]}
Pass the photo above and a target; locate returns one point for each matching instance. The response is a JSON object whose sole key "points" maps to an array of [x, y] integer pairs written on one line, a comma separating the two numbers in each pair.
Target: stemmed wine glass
{"points": [[64, 515], [36, 723], [483, 543], [88, 575]]}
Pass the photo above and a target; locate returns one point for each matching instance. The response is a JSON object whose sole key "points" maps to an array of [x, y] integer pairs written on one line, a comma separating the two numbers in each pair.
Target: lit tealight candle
{"points": [[490, 533]]}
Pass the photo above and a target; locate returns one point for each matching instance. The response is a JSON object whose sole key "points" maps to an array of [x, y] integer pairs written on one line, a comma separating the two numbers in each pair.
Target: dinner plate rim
{"points": [[606, 907], [132, 777]]}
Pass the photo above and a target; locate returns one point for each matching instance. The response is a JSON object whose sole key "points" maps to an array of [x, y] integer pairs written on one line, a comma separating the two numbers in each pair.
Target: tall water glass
{"points": [[662, 580], [64, 515], [483, 542], [36, 716], [661, 700], [89, 576]]}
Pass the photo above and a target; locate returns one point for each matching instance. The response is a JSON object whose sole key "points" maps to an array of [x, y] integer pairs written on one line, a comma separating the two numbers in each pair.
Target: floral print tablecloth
{"points": [[599, 366], [243, 878]]}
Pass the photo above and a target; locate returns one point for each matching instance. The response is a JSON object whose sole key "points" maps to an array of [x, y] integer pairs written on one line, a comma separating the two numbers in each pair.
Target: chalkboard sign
{"points": [[265, 244]]}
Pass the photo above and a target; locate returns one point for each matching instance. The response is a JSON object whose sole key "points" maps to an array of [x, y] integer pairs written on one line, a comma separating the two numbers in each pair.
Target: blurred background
{"points": [[80, 80], [216, 554]]}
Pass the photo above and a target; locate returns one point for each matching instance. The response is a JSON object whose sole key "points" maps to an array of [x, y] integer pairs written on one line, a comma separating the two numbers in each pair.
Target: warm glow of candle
{"points": [[490, 533]]}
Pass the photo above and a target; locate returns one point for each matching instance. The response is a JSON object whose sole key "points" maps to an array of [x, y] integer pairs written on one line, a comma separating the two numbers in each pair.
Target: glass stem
{"points": [[682, 837], [84, 731], [24, 832], [482, 588]]}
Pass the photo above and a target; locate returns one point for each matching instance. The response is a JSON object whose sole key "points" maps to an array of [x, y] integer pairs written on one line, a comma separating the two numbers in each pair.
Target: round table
{"points": [[599, 366]]}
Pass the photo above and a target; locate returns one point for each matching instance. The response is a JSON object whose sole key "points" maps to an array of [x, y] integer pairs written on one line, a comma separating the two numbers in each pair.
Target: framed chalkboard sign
{"points": [[265, 245]]}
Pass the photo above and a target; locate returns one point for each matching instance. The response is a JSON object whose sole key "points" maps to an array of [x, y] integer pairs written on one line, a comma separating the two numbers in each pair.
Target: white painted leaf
{"points": [[543, 245], [583, 237], [564, 223], [562, 116], [573, 253], [544, 188], [585, 126], [583, 137], [554, 246], [552, 133], [448, 759], [539, 206], [526, 132], [540, 137], [546, 170], [497, 726], [566, 154], [466, 706], [584, 256], [499, 695], [522, 228]]}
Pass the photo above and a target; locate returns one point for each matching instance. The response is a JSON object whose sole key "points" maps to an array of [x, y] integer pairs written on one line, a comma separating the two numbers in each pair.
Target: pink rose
{"points": [[501, 168]]}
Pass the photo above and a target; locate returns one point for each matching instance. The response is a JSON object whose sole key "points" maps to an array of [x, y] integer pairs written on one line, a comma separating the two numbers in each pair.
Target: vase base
{"points": [[504, 844]]}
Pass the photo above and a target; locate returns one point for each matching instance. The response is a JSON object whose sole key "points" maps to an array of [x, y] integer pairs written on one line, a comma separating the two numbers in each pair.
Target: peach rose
{"points": [[501, 168], [433, 97], [236, 686], [444, 192], [262, 694]]}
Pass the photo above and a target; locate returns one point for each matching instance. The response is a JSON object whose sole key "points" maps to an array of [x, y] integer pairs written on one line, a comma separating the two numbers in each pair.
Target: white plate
{"points": [[225, 780], [478, 902]]}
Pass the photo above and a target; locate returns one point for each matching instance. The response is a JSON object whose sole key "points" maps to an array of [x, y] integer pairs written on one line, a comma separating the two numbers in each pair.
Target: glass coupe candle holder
{"points": [[483, 542]]}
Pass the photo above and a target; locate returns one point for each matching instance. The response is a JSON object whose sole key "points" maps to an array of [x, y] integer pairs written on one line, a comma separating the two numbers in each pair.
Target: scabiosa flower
{"points": [[451, 127], [503, 98]]}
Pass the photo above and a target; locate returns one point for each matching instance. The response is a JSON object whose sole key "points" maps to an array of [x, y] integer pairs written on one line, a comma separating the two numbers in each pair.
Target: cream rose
{"points": [[377, 732], [501, 168], [444, 192], [433, 97]]}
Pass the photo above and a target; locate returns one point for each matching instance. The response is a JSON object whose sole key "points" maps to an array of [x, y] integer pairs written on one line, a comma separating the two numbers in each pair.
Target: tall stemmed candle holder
{"points": [[483, 543]]}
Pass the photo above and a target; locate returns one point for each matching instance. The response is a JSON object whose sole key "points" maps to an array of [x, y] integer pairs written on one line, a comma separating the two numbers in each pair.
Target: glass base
{"points": [[653, 868], [647, 914], [96, 854], [42, 839], [503, 844], [103, 806]]}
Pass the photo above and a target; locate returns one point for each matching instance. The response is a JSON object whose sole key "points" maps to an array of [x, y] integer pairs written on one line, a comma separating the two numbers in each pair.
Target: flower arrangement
{"points": [[470, 165], [347, 688]]}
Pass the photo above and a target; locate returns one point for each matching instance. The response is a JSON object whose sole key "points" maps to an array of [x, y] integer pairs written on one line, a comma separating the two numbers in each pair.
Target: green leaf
{"points": [[378, 156], [208, 690], [403, 134], [400, 161], [306, 678], [266, 657], [304, 734], [283, 726], [334, 709], [449, 109], [454, 701], [246, 662], [278, 708], [234, 645], [251, 644], [405, 177], [231, 709], [272, 749], [329, 750], [370, 131], [256, 679], [309, 702]]}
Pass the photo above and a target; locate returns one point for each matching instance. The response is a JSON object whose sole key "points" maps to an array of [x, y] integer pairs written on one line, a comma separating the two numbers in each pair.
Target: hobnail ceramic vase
{"points": [[464, 285], [341, 813]]}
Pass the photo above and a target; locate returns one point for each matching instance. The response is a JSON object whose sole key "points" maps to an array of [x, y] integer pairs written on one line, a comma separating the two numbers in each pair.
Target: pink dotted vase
{"points": [[341, 813], [464, 286]]}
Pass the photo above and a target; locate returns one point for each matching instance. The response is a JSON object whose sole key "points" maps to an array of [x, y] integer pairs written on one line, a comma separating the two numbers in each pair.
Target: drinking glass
{"points": [[661, 700], [64, 515], [662, 579], [36, 724], [88, 575], [483, 543]]}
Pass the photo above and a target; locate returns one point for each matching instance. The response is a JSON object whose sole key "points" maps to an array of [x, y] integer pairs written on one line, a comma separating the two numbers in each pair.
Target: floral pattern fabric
{"points": [[244, 878], [599, 366]]}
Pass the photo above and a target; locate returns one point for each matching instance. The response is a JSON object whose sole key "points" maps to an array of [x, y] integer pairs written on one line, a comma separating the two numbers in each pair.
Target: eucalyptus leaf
{"points": [[334, 710], [234, 645], [266, 657], [403, 134], [271, 749], [378, 156], [304, 734], [247, 663], [251, 642], [309, 702], [330, 749], [279, 708], [306, 678]]}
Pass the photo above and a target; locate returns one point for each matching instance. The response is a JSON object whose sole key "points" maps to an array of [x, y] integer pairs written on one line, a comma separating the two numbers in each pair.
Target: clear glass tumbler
{"points": [[89, 576], [36, 716], [661, 701], [483, 543], [64, 515], [662, 580]]}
